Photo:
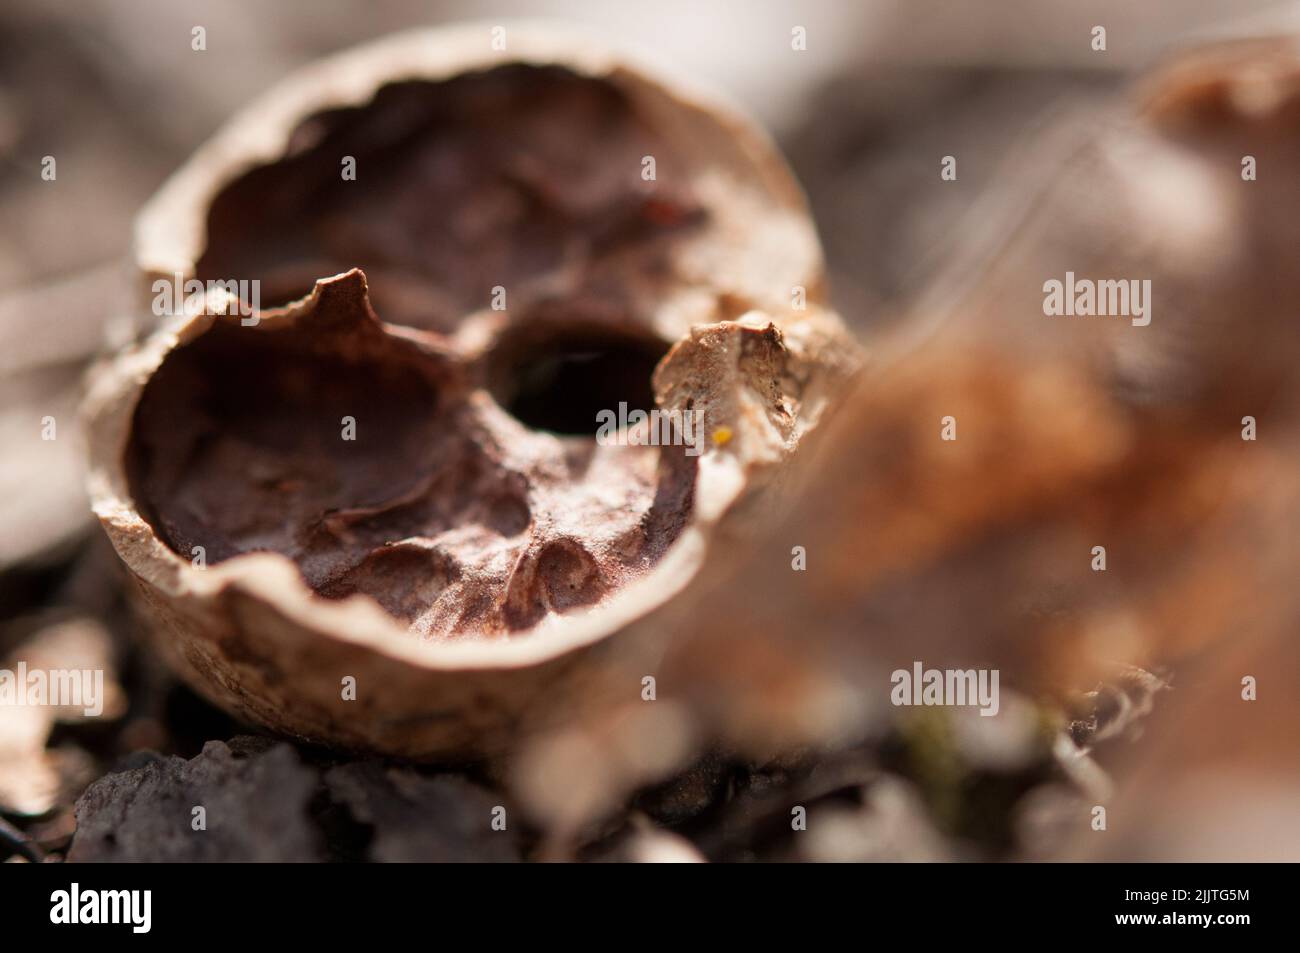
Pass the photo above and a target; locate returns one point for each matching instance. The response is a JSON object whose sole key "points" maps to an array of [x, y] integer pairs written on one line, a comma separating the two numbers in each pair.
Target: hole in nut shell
{"points": [[558, 379]]}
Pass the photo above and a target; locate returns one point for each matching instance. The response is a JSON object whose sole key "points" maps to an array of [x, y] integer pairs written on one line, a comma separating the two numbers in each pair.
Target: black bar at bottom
{"points": [[330, 903]]}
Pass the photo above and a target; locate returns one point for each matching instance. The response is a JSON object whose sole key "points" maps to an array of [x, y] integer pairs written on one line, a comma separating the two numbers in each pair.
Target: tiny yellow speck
{"points": [[722, 436]]}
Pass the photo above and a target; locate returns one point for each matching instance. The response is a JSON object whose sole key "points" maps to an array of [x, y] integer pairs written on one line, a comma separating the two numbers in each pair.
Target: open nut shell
{"points": [[469, 572]]}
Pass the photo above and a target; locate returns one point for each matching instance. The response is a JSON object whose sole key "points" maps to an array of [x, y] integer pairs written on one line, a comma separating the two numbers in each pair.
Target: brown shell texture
{"points": [[371, 512]]}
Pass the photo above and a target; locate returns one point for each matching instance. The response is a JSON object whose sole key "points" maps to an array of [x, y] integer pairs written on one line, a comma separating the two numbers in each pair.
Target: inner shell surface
{"points": [[456, 489], [523, 178]]}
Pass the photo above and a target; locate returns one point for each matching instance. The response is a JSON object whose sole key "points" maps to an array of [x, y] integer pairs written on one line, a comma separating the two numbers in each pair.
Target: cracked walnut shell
{"points": [[387, 473]]}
